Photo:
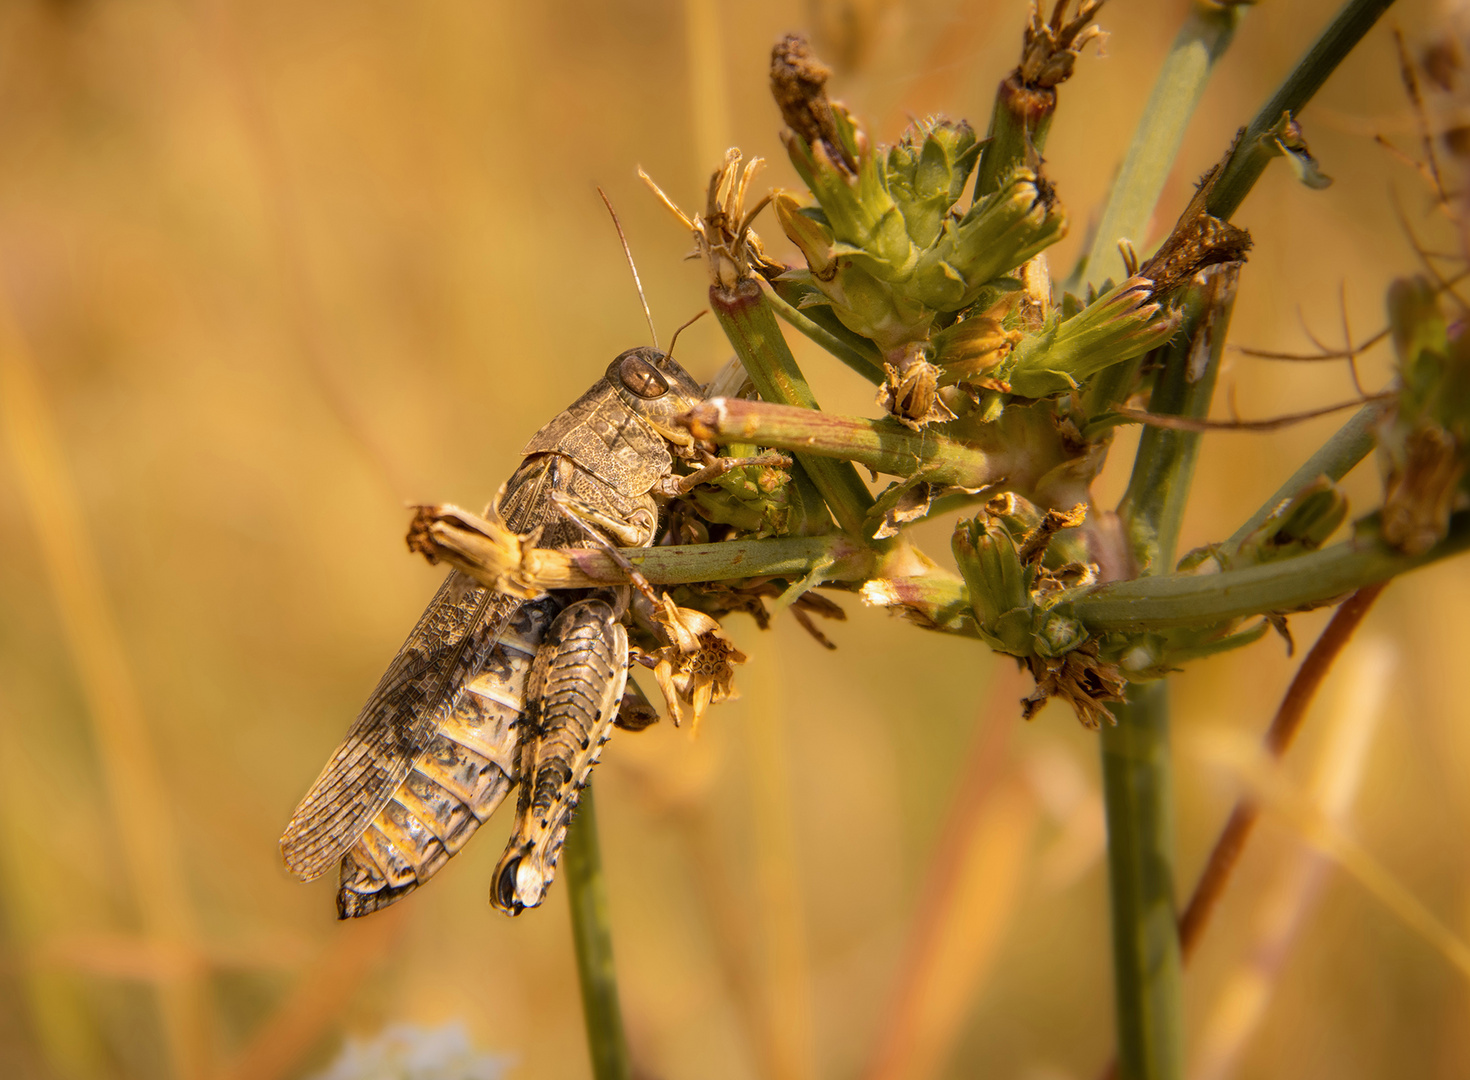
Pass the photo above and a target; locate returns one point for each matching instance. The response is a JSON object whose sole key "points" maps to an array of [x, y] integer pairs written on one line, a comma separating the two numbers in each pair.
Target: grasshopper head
{"points": [[653, 385]]}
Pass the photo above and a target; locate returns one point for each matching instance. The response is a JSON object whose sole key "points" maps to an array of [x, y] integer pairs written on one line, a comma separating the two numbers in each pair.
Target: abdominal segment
{"points": [[458, 782]]}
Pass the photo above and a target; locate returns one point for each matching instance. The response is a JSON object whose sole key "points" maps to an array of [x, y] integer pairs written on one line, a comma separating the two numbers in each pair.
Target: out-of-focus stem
{"points": [[1147, 967], [592, 933], [1334, 459], [1251, 156], [746, 315], [881, 445], [1288, 721], [1203, 38]]}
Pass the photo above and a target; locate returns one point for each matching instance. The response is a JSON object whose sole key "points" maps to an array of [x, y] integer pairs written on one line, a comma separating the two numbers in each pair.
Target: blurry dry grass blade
{"points": [[1269, 786], [322, 993], [299, 294], [1242, 1002], [709, 99], [37, 907], [850, 31], [135, 782], [1279, 737], [1275, 423], [972, 891]]}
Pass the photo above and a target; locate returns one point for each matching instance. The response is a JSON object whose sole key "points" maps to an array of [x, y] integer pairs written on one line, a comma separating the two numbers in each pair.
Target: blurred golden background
{"points": [[269, 271]]}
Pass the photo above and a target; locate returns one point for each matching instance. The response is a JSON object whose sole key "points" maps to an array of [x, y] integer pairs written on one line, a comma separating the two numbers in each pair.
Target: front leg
{"points": [[714, 468]]}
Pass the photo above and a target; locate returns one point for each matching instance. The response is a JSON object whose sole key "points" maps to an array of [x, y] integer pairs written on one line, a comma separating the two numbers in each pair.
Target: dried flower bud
{"points": [[695, 669]]}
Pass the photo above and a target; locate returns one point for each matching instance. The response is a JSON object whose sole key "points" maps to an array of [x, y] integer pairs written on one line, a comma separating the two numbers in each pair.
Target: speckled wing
{"points": [[421, 689]]}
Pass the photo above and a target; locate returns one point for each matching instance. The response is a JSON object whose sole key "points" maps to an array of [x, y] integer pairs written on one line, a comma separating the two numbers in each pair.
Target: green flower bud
{"points": [[927, 173], [806, 229], [998, 234], [1057, 634], [1122, 323], [971, 350], [999, 596], [863, 217]]}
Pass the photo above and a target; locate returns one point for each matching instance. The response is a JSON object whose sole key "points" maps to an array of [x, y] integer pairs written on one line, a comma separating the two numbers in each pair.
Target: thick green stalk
{"points": [[1203, 38], [1251, 155], [582, 866], [1143, 605], [746, 315], [1148, 968]]}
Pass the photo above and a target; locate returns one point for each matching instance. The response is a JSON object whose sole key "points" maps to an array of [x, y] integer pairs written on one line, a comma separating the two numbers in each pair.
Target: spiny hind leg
{"points": [[574, 693]]}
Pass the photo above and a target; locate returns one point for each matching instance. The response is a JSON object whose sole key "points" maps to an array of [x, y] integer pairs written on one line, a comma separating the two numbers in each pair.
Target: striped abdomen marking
{"points": [[458, 782], [573, 697]]}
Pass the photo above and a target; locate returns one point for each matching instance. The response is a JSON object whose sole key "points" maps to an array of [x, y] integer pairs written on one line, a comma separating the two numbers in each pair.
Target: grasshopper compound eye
{"points": [[642, 378]]}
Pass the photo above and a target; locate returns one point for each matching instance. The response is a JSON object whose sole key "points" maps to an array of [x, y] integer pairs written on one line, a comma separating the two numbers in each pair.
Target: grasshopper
{"points": [[489, 689]]}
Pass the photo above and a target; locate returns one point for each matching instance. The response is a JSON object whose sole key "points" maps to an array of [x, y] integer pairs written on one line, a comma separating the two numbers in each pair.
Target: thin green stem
{"points": [[592, 933], [1153, 508], [884, 446], [1335, 459], [1203, 38], [746, 314], [1311, 580], [1251, 154], [822, 327]]}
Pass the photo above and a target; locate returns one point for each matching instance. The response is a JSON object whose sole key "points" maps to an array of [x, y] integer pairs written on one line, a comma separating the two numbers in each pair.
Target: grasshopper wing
{"points": [[422, 687]]}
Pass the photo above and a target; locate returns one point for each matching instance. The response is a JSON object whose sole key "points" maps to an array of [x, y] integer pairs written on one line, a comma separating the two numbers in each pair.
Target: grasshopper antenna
{"points": [[675, 340], [631, 264]]}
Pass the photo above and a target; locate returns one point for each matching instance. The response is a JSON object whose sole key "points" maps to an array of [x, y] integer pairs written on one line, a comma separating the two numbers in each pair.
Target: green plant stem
{"points": [[884, 446], [746, 315], [1019, 124], [1137, 776], [591, 932], [1153, 508], [1201, 41], [1334, 459], [823, 328], [1310, 580], [1148, 968], [1251, 154]]}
